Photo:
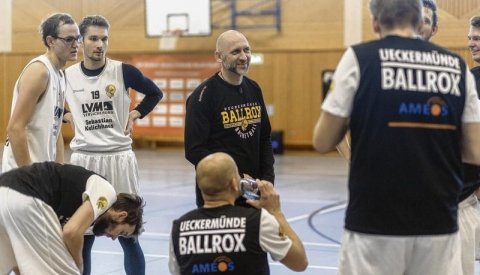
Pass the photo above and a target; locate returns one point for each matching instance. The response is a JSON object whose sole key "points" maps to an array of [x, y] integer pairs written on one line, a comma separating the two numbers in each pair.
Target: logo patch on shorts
{"points": [[102, 203]]}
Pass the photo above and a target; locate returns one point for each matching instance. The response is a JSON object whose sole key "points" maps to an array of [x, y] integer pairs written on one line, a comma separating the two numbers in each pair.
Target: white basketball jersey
{"points": [[100, 107], [45, 124]]}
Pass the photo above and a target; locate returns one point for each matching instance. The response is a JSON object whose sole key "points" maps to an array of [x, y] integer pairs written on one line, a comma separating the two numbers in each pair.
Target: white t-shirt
{"points": [[102, 196]]}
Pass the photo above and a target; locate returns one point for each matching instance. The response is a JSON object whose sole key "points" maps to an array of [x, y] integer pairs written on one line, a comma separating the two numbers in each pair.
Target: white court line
{"points": [[332, 209], [162, 194], [297, 218], [321, 244], [188, 195], [312, 266], [121, 253], [166, 257], [165, 235]]}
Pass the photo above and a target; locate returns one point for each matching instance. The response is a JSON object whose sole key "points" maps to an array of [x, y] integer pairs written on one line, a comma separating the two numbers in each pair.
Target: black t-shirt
{"points": [[60, 186], [221, 117]]}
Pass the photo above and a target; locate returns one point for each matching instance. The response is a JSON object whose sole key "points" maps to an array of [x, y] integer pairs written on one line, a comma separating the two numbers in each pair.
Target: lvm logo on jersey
{"points": [[97, 108], [418, 71]]}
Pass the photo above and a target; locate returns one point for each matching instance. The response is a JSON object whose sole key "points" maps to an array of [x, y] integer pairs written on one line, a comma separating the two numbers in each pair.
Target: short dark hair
{"points": [[433, 6], [393, 13], [133, 205], [92, 20], [475, 21], [49, 26]]}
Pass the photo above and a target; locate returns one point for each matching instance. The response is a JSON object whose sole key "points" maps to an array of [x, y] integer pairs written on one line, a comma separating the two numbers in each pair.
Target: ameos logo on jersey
{"points": [[435, 106], [219, 265]]}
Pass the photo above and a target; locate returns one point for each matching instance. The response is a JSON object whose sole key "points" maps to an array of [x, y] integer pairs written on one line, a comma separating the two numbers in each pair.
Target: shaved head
{"points": [[234, 52], [215, 173], [228, 37]]}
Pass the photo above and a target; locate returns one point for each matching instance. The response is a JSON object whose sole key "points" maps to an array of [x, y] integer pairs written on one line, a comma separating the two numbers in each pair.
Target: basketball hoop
{"points": [[168, 42]]}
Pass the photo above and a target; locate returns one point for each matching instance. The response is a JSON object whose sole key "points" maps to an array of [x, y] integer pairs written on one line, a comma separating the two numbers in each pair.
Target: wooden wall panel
{"points": [[292, 83], [12, 66], [302, 27], [310, 40], [454, 17], [305, 25], [458, 8], [4, 105]]}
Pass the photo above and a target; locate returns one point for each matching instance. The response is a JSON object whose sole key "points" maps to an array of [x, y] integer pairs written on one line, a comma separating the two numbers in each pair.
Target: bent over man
{"points": [[45, 210]]}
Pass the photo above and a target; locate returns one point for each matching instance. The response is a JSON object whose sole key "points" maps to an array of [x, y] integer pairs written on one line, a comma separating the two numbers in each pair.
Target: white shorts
{"points": [[362, 254], [31, 237], [469, 230], [119, 168]]}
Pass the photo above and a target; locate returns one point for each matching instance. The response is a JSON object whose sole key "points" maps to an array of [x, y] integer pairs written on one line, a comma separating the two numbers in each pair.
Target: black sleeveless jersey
{"points": [[60, 186], [406, 124], [222, 240]]}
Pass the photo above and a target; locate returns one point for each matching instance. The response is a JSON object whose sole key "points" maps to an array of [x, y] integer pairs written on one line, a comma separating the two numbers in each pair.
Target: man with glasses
{"points": [[98, 98], [69, 40], [34, 129]]}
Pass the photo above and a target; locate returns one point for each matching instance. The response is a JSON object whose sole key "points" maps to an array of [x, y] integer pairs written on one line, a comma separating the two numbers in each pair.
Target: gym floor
{"points": [[313, 193], [308, 184]]}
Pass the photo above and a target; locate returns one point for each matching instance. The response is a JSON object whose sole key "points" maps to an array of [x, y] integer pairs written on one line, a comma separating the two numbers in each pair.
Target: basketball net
{"points": [[168, 41]]}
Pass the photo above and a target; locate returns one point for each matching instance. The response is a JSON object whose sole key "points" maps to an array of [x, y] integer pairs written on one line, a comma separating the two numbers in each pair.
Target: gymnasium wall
{"points": [[311, 40]]}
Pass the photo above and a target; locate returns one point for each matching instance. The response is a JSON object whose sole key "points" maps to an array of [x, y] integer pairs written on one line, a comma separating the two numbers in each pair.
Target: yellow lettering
{"points": [[239, 115], [248, 113], [233, 118], [225, 117], [256, 111]]}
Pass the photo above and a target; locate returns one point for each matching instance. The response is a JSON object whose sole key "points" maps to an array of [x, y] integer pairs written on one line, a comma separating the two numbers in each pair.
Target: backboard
{"points": [[190, 17]]}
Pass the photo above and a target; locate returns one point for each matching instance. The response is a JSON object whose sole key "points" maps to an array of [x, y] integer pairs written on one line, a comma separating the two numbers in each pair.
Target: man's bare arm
{"points": [[344, 149], [296, 258], [471, 143], [75, 229], [31, 87], [328, 132]]}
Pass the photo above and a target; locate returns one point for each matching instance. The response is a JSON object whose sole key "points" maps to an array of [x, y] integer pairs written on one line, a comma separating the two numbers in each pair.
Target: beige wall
{"points": [[310, 40]]}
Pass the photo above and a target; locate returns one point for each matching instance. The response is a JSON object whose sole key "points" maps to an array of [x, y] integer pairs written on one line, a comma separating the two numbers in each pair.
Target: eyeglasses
{"points": [[69, 40]]}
